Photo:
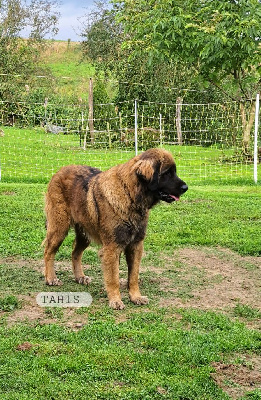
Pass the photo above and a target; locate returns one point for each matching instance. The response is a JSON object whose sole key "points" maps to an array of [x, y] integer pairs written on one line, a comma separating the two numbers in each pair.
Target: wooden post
{"points": [[85, 137], [82, 128], [161, 130], [109, 134], [84, 131], [91, 111], [45, 110], [178, 119], [121, 132]]}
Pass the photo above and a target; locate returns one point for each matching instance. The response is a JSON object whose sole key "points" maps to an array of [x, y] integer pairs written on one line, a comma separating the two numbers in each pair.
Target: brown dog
{"points": [[110, 208]]}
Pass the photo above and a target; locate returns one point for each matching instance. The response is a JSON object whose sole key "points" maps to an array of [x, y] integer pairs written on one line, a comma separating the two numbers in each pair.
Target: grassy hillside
{"points": [[64, 60]]}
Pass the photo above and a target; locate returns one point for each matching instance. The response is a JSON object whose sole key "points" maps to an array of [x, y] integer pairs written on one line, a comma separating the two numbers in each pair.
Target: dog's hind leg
{"points": [[57, 229], [81, 243], [133, 255]]}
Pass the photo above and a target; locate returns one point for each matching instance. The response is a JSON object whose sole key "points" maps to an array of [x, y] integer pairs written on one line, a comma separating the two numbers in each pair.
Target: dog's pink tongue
{"points": [[174, 197]]}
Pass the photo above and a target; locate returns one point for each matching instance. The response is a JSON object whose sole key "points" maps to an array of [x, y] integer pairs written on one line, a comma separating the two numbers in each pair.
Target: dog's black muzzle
{"points": [[183, 189]]}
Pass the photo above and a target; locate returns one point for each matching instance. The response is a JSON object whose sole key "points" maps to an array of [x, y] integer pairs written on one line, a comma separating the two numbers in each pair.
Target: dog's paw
{"points": [[84, 280], [53, 282], [140, 301], [116, 305]]}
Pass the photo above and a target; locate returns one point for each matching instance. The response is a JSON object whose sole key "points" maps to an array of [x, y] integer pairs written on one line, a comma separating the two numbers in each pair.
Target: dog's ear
{"points": [[148, 172]]}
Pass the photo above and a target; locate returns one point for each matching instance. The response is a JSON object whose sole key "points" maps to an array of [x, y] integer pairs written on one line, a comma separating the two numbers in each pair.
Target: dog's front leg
{"points": [[110, 255], [133, 255]]}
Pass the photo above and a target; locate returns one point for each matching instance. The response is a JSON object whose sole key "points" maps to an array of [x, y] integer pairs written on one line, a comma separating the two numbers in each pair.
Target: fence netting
{"points": [[37, 138]]}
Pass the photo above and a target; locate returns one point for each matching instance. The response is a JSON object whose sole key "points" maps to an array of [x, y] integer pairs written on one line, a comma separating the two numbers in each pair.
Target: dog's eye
{"points": [[167, 174]]}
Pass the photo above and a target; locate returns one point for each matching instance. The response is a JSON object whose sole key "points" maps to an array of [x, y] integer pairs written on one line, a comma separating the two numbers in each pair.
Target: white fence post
{"points": [[256, 137], [136, 127]]}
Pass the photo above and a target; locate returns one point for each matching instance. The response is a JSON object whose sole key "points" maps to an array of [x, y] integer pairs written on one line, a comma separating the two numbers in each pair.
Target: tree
{"points": [[19, 58], [40, 17], [102, 36], [218, 38]]}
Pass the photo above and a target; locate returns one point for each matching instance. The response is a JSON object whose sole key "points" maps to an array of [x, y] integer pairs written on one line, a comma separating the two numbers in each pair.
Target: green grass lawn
{"points": [[149, 356], [31, 155], [144, 353], [160, 351], [227, 216]]}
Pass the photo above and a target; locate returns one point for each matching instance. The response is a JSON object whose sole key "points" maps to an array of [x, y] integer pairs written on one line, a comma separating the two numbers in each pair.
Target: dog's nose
{"points": [[184, 188]]}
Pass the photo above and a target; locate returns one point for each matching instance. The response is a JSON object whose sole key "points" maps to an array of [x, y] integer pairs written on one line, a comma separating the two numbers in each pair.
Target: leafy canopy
{"points": [[101, 35], [39, 17], [217, 37]]}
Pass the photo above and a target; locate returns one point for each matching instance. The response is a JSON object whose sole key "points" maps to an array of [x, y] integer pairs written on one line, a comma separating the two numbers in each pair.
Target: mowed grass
{"points": [[31, 155], [150, 352], [227, 216], [149, 356]]}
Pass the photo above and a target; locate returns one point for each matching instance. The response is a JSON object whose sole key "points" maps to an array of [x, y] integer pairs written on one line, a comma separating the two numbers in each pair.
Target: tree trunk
{"points": [[247, 124], [178, 119], [91, 127]]}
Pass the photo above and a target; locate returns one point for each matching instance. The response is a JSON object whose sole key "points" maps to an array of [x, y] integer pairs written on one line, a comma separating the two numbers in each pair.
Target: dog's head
{"points": [[156, 170]]}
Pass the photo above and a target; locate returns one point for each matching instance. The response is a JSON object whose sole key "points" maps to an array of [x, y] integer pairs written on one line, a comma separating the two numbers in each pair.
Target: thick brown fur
{"points": [[112, 209]]}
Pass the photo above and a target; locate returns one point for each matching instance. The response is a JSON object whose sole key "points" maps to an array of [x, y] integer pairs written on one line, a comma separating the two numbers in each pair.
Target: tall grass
{"points": [[66, 63]]}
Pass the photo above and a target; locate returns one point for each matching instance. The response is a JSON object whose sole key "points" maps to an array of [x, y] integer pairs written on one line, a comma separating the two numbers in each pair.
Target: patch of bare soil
{"points": [[238, 379], [216, 279], [37, 265], [31, 312], [8, 193], [224, 279]]}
